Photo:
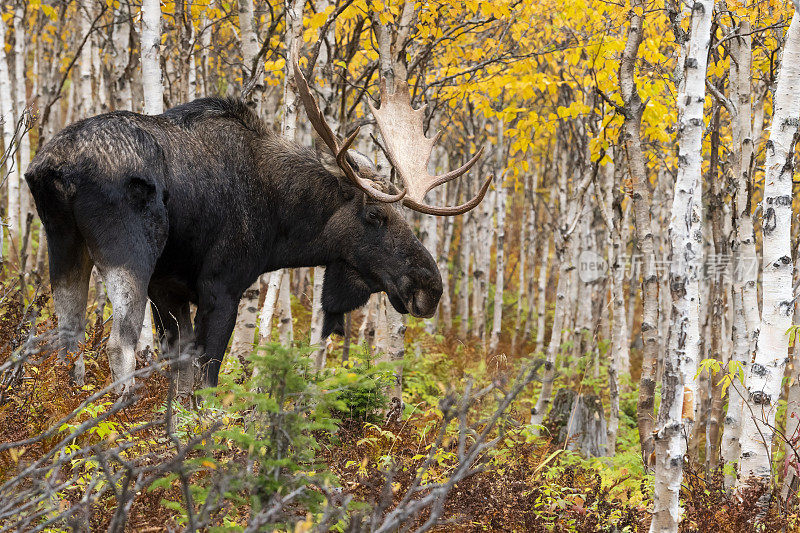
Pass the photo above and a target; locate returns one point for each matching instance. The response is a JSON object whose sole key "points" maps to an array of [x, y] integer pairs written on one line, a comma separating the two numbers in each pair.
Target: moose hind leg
{"points": [[174, 324]]}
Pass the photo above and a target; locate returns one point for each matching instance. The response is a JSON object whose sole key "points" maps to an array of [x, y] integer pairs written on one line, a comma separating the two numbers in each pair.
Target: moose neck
{"points": [[303, 196]]}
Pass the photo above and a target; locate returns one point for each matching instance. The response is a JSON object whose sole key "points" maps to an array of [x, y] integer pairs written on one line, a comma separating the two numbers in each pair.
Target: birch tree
{"points": [[500, 265], [633, 108], [677, 390], [9, 132], [153, 93], [152, 87], [764, 375], [21, 104]]}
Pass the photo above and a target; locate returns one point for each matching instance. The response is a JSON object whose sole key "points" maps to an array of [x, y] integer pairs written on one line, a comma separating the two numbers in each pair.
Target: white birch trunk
{"points": [[445, 312], [122, 95], [316, 319], [766, 372], [294, 19], [541, 304], [8, 125], [85, 100], [285, 323], [192, 59], [465, 254], [744, 296], [244, 331], [554, 346], [499, 284], [268, 309], [366, 331], [249, 36], [153, 93], [678, 385], [522, 293], [24, 140], [791, 462], [480, 274], [317, 315], [152, 88]]}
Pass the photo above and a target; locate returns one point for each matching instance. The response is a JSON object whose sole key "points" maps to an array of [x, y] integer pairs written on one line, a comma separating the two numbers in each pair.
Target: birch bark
{"points": [[85, 99], [766, 372], [541, 304], [465, 253], [152, 88], [678, 390], [21, 102], [500, 266], [642, 209], [523, 296], [244, 331], [565, 252], [8, 125], [153, 93], [744, 295]]}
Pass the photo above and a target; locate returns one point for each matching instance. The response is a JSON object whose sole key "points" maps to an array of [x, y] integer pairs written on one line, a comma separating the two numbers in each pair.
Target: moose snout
{"points": [[423, 304]]}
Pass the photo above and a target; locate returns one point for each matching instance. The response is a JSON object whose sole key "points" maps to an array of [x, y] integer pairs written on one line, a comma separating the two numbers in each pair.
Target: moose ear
{"points": [[342, 291]]}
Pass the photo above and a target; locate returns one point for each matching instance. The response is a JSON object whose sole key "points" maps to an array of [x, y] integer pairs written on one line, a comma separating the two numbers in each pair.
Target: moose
{"points": [[192, 205]]}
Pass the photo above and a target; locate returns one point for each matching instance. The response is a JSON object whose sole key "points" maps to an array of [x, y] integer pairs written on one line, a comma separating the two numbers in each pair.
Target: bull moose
{"points": [[192, 205]]}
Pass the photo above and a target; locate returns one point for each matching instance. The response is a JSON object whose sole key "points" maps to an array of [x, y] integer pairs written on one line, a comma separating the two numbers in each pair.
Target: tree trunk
{"points": [[791, 461], [678, 389], [8, 125], [153, 92], [744, 296], [152, 88], [23, 140], [85, 100], [766, 372], [578, 423], [499, 284], [464, 276], [244, 331], [716, 310], [480, 273], [268, 309], [315, 335], [523, 296], [541, 294], [565, 252], [285, 322], [642, 202]]}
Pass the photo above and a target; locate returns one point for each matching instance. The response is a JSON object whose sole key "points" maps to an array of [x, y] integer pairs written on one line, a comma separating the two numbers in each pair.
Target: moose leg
{"points": [[127, 291], [216, 316], [174, 325], [70, 268]]}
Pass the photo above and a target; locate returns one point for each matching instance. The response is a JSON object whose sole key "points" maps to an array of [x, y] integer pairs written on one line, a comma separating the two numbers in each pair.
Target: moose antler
{"points": [[409, 151], [408, 148], [339, 150]]}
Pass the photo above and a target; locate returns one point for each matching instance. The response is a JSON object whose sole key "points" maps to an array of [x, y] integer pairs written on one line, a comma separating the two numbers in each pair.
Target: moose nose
{"points": [[423, 304]]}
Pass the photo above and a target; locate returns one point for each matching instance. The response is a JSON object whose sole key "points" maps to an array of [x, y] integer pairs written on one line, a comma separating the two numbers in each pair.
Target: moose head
{"points": [[388, 256]]}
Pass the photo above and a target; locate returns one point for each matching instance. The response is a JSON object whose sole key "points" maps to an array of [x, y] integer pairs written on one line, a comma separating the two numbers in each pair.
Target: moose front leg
{"points": [[216, 316]]}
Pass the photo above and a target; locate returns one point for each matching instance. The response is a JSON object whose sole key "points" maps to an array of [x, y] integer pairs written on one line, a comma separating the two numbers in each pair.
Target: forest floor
{"points": [[529, 484]]}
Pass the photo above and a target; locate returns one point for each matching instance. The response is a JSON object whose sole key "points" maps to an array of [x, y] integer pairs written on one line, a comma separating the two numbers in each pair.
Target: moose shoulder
{"points": [[192, 206]]}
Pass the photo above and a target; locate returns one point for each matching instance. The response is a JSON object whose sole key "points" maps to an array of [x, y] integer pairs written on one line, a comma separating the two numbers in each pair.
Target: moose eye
{"points": [[374, 216]]}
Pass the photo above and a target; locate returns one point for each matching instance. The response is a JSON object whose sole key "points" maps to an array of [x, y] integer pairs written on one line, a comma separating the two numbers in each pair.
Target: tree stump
{"points": [[578, 420]]}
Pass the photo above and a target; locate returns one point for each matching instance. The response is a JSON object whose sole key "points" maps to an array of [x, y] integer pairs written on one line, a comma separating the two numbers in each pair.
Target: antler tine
{"points": [[341, 160], [312, 109], [339, 151], [409, 150], [450, 211]]}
